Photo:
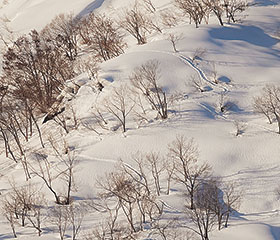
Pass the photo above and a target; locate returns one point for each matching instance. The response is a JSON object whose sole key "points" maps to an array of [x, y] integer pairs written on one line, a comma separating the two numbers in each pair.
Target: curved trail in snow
{"points": [[106, 160], [197, 69], [186, 60]]}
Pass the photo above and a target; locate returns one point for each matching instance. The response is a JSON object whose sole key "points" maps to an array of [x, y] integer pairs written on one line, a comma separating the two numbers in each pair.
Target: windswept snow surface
{"points": [[246, 56], [35, 14]]}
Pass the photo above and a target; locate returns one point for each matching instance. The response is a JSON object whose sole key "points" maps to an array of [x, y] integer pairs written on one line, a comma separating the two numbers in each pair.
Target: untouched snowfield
{"points": [[246, 57]]}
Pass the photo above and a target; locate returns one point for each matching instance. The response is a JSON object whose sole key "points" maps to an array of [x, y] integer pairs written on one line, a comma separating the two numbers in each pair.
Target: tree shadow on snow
{"points": [[3, 236], [250, 34], [208, 110], [266, 2], [224, 79], [89, 8], [275, 231], [197, 114]]}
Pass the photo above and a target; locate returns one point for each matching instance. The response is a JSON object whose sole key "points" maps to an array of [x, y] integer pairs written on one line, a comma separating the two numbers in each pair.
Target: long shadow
{"points": [[266, 2], [89, 8], [2, 237], [275, 231], [250, 34]]}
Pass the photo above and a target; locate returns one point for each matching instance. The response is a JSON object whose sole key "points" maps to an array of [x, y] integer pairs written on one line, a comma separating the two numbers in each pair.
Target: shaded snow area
{"points": [[231, 64]]}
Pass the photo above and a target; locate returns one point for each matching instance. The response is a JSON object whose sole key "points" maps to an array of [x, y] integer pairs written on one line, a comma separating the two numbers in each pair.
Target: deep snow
{"points": [[246, 57]]}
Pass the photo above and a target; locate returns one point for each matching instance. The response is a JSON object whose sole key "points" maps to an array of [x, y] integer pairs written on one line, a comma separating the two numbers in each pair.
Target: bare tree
{"points": [[136, 203], [148, 4], [240, 127], [24, 203], [64, 31], [198, 54], [169, 168], [59, 216], [232, 7], [214, 73], [35, 215], [170, 18], [102, 37], [14, 132], [184, 153], [146, 79], [222, 199], [76, 213], [88, 65], [35, 71], [8, 212], [156, 165], [196, 10], [196, 83], [140, 176], [269, 103], [202, 215], [216, 199], [232, 199], [45, 171], [61, 119], [51, 172], [174, 39], [122, 188], [108, 228], [24, 197], [136, 22], [171, 230], [224, 103], [216, 6], [66, 168], [261, 105], [119, 104]]}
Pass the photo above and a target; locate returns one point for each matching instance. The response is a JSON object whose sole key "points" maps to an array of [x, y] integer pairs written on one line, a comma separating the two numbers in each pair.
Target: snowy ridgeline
{"points": [[140, 121]]}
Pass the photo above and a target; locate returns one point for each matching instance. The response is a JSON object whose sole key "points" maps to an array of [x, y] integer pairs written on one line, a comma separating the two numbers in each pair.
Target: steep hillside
{"points": [[232, 63]]}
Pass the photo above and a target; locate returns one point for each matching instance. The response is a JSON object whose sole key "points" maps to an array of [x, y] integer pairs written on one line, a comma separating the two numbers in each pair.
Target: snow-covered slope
{"points": [[35, 14], [246, 57]]}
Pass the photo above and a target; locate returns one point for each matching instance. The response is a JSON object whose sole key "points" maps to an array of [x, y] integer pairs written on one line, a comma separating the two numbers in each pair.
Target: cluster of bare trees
{"points": [[215, 201], [56, 171], [36, 66], [102, 36], [17, 123], [60, 169], [26, 206], [35, 70], [211, 201], [146, 80], [137, 23], [129, 196], [22, 205], [200, 10], [145, 95], [66, 218]]}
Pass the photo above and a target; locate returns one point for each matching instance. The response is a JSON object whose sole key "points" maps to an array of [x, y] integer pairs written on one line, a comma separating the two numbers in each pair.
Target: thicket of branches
{"points": [[129, 196], [102, 36], [36, 68], [199, 10]]}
